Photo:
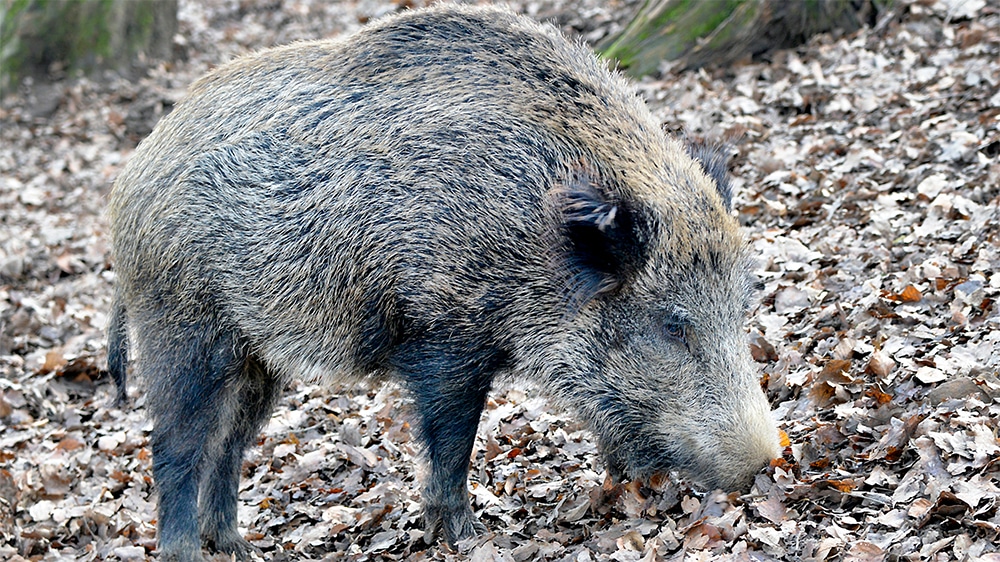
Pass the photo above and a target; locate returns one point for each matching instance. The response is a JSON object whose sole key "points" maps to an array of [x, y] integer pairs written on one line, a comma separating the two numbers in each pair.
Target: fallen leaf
{"points": [[844, 486], [930, 375], [910, 294], [959, 387], [54, 361], [864, 551], [880, 364], [833, 375], [771, 509], [783, 439], [762, 351]]}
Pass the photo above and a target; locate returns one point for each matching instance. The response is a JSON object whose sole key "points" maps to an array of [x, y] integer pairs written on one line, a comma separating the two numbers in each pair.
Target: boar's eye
{"points": [[675, 329]]}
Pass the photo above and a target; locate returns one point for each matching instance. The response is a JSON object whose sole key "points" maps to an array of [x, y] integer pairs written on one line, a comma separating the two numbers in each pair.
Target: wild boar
{"points": [[451, 197]]}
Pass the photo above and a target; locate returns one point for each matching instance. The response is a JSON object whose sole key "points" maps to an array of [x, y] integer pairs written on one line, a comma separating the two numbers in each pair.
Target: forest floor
{"points": [[869, 187]]}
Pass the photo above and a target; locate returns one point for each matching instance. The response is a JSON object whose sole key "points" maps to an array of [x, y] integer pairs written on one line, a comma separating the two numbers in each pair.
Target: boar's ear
{"points": [[604, 240], [714, 159]]}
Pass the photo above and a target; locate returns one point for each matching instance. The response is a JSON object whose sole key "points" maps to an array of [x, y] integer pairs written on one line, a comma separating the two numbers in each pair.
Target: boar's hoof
{"points": [[452, 524], [231, 543], [187, 553]]}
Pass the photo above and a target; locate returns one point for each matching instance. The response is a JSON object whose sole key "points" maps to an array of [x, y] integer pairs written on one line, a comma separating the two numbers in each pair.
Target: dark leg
{"points": [[118, 348], [188, 370], [449, 394], [252, 400]]}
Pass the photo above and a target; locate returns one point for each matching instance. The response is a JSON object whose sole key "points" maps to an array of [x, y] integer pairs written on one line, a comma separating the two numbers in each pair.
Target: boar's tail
{"points": [[118, 348]]}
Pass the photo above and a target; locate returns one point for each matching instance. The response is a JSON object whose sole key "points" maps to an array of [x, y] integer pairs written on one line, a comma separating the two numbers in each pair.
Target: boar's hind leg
{"points": [[449, 394], [189, 369], [252, 398]]}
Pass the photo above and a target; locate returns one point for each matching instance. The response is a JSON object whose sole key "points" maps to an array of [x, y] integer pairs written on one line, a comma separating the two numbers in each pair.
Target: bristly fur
{"points": [[449, 196], [714, 158]]}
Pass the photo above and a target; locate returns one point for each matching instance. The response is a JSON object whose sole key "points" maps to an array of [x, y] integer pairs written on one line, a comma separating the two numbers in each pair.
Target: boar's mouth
{"points": [[643, 459], [647, 459]]}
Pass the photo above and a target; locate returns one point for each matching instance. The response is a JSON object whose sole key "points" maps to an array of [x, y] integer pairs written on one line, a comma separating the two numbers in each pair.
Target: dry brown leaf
{"points": [[864, 551], [690, 504], [762, 351], [783, 439], [845, 485], [879, 396], [880, 364], [834, 374], [69, 444], [771, 509], [910, 294], [54, 361]]}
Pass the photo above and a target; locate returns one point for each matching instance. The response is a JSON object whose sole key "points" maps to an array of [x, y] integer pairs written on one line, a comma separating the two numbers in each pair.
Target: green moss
{"points": [[85, 27], [698, 30], [712, 21], [671, 15], [144, 20], [670, 30], [11, 13], [77, 35]]}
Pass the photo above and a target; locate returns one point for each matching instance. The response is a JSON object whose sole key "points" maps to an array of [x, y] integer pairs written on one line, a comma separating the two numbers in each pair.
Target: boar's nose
{"points": [[728, 441], [745, 449]]}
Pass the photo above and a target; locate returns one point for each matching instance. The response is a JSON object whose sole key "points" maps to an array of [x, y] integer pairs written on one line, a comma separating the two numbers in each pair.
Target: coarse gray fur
{"points": [[449, 196]]}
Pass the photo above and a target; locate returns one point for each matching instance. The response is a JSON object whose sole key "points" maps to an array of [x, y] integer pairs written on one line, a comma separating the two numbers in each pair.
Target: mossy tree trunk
{"points": [[697, 32], [46, 38]]}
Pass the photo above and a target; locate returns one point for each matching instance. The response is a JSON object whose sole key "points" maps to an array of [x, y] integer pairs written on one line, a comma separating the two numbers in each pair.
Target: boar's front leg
{"points": [[449, 388]]}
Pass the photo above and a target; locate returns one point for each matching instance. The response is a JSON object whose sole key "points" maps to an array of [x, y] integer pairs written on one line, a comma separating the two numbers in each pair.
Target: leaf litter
{"points": [[869, 185]]}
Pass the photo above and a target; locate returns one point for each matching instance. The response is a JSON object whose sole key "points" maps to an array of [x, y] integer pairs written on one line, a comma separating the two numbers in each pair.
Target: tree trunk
{"points": [[698, 32], [47, 38]]}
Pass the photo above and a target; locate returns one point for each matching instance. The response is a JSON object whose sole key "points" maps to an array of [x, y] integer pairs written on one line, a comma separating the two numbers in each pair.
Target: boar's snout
{"points": [[730, 447], [715, 447]]}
